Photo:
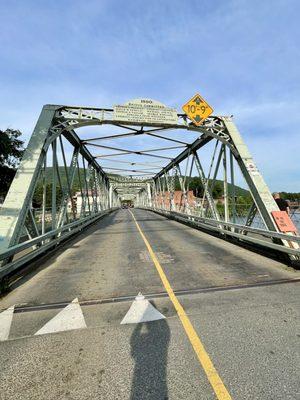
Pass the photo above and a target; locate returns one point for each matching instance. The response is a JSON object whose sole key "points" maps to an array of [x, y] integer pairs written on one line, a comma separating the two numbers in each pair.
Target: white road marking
{"points": [[69, 318], [141, 310], [5, 322], [162, 257]]}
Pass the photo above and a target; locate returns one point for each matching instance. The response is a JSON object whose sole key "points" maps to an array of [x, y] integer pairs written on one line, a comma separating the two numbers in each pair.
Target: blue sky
{"points": [[242, 56]]}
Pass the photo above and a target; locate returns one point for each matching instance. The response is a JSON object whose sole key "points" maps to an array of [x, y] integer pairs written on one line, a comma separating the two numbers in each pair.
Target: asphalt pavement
{"points": [[243, 308]]}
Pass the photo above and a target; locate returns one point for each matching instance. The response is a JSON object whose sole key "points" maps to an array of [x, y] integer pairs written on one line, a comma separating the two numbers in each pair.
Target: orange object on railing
{"points": [[283, 222]]}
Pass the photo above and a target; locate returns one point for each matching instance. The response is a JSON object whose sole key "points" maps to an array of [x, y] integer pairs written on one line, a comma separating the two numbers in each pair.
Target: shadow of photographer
{"points": [[149, 349]]}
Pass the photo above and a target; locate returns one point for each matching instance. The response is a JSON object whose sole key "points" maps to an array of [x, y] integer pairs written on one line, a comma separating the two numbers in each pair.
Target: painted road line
{"points": [[141, 310], [209, 369], [69, 318], [5, 323]]}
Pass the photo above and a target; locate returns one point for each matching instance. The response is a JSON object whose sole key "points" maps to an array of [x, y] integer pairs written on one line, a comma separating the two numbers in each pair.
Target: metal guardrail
{"points": [[237, 231], [44, 242]]}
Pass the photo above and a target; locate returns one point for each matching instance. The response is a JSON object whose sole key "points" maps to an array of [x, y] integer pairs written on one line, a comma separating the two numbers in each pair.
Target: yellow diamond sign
{"points": [[197, 109]]}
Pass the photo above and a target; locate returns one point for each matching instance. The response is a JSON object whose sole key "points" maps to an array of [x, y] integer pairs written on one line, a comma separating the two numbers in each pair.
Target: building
{"points": [[164, 200], [79, 202]]}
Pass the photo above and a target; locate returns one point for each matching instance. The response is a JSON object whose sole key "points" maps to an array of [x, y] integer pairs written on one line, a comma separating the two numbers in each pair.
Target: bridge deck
{"points": [[249, 328]]}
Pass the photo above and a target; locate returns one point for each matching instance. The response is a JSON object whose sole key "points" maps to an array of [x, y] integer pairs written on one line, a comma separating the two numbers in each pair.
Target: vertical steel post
{"points": [[67, 192], [207, 190], [53, 194], [44, 195], [149, 195], [226, 211], [172, 189], [233, 206], [110, 196], [86, 185]]}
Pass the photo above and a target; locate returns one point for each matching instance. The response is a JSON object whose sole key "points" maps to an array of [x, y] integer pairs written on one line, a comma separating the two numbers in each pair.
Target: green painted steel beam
{"points": [[15, 206]]}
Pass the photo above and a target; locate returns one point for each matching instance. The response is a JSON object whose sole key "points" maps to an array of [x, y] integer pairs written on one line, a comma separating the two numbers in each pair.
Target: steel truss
{"points": [[150, 184]]}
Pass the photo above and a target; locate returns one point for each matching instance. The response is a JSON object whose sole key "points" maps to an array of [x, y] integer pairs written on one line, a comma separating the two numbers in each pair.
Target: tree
{"points": [[217, 190], [196, 186], [37, 200], [290, 196], [11, 151]]}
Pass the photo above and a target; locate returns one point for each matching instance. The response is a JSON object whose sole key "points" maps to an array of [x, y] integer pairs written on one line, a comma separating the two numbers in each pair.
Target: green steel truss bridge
{"points": [[108, 173]]}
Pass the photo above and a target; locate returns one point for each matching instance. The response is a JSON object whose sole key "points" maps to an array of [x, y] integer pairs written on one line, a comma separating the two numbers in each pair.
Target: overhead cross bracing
{"points": [[81, 161]]}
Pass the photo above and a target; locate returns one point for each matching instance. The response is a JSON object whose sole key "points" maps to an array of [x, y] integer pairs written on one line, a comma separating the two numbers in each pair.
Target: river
{"points": [[257, 223]]}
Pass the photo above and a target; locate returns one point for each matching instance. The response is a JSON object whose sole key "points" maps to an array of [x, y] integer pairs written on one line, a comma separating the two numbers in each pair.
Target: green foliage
{"points": [[218, 190], [37, 200], [244, 200], [63, 177], [196, 186], [290, 196], [11, 148], [11, 151]]}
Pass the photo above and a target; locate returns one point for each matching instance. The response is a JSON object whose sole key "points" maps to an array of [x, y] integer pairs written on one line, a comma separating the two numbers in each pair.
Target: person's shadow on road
{"points": [[149, 348]]}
